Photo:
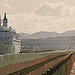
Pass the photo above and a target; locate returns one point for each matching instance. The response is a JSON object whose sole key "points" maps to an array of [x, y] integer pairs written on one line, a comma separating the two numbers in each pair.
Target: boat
{"points": [[9, 39]]}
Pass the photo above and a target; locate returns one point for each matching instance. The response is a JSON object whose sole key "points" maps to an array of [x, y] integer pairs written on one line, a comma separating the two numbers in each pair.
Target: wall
{"points": [[33, 67]]}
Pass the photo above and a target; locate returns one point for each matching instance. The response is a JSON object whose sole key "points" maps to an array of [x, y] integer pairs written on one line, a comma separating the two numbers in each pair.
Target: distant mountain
{"points": [[68, 33], [43, 34], [23, 35]]}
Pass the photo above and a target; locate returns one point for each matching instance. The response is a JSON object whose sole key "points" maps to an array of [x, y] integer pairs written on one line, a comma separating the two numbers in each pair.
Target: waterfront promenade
{"points": [[37, 63]]}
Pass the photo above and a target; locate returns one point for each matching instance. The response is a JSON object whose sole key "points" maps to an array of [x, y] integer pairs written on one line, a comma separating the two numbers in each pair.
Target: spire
{"points": [[5, 21]]}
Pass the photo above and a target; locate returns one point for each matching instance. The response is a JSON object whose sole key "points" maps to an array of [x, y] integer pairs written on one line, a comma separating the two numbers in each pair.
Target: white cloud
{"points": [[4, 4], [30, 0], [56, 17], [51, 9], [7, 0]]}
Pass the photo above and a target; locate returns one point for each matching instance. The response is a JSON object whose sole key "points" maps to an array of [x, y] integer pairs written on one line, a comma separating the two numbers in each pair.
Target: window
{"points": [[5, 37]]}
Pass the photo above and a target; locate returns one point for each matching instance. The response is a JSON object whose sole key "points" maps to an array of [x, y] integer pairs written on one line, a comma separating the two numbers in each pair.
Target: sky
{"points": [[30, 16]]}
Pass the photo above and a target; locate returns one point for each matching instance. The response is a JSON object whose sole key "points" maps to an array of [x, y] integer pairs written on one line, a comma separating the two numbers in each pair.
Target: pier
{"points": [[41, 63]]}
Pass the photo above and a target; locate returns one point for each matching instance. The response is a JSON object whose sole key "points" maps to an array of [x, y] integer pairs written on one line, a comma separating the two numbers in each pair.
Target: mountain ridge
{"points": [[45, 34]]}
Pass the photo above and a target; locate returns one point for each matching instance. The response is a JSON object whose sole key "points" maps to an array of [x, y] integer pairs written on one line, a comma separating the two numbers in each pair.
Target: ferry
{"points": [[9, 39]]}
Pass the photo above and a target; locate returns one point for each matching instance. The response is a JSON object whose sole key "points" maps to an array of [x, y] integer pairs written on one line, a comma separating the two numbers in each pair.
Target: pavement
{"points": [[73, 70]]}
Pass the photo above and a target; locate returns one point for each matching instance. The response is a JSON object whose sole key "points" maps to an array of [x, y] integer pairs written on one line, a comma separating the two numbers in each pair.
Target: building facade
{"points": [[52, 43]]}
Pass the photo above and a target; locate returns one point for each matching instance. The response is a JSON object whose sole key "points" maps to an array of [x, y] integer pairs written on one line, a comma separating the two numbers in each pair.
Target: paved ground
{"points": [[73, 70]]}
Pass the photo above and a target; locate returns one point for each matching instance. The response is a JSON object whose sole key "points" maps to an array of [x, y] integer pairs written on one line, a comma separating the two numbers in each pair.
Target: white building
{"points": [[52, 43]]}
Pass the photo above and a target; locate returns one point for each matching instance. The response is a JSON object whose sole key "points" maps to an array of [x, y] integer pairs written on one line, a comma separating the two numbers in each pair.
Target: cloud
{"points": [[51, 9], [7, 0], [29, 0], [30, 23], [49, 17], [4, 4]]}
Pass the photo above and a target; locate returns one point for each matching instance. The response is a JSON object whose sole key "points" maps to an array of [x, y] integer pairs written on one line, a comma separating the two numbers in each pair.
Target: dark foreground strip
{"points": [[57, 66], [36, 66]]}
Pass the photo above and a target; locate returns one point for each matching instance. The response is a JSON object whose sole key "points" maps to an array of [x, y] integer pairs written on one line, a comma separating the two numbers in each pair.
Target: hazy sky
{"points": [[30, 16]]}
